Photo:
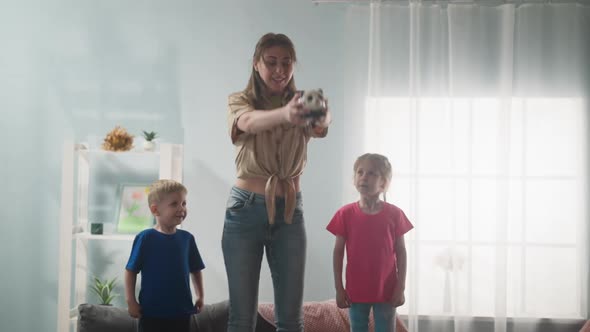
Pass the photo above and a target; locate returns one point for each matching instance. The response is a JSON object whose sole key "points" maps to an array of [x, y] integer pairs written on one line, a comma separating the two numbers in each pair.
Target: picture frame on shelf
{"points": [[133, 211]]}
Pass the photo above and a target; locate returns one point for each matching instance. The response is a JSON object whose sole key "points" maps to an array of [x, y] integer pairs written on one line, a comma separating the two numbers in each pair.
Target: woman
{"points": [[269, 127]]}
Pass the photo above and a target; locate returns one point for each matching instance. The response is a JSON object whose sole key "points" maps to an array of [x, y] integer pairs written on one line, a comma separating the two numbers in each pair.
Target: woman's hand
{"points": [[325, 120], [342, 299], [295, 112]]}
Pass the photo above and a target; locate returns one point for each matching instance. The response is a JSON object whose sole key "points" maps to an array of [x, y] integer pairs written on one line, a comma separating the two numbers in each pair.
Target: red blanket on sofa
{"points": [[322, 316]]}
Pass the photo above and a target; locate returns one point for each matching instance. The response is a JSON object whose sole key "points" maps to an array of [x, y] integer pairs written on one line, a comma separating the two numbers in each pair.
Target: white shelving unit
{"points": [[74, 218]]}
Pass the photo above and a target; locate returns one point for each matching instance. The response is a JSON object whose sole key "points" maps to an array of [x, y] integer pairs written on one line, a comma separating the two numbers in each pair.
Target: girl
{"points": [[372, 231], [268, 127]]}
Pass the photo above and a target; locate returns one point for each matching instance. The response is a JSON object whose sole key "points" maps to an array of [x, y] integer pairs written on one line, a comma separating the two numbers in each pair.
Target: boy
{"points": [[165, 256]]}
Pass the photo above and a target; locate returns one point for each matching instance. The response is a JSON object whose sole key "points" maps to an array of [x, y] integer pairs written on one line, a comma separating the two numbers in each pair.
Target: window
{"points": [[497, 190]]}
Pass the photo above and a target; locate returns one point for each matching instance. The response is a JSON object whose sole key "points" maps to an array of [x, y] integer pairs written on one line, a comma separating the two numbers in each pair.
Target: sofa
{"points": [[100, 318], [322, 316]]}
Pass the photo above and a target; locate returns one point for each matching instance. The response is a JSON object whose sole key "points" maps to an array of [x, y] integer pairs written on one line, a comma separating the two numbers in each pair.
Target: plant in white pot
{"points": [[104, 290], [149, 144]]}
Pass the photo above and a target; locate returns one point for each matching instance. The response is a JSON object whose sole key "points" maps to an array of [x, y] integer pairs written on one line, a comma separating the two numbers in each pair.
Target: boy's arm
{"points": [[197, 279], [342, 299], [133, 307], [400, 252]]}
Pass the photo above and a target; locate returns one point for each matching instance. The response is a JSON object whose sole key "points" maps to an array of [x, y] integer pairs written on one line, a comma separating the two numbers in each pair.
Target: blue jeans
{"points": [[246, 234], [383, 313]]}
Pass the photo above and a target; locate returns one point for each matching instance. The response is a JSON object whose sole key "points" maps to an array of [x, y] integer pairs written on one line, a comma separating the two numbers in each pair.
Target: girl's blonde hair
{"points": [[383, 166], [161, 188], [256, 89]]}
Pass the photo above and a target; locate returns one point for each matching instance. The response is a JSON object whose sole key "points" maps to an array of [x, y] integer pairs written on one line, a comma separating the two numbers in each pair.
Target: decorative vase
{"points": [[149, 146], [96, 228]]}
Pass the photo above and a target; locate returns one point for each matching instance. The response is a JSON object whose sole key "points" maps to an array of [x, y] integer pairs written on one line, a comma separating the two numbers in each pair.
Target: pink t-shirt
{"points": [[370, 250]]}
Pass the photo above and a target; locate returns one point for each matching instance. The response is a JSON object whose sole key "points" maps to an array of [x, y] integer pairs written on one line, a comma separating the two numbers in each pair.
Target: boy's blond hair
{"points": [[161, 188]]}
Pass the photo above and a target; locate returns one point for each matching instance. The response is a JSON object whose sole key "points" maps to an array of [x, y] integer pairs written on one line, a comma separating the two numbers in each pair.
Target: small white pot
{"points": [[149, 146]]}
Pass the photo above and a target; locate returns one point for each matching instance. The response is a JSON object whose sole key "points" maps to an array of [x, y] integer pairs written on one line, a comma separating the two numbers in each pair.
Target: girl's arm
{"points": [[197, 279], [342, 299], [400, 251], [260, 120], [132, 306]]}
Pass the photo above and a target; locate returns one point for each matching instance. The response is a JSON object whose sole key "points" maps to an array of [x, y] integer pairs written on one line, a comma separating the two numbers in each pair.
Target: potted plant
{"points": [[104, 290], [118, 139], [149, 144]]}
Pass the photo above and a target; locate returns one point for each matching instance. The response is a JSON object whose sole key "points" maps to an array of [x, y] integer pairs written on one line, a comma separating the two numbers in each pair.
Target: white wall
{"points": [[72, 69]]}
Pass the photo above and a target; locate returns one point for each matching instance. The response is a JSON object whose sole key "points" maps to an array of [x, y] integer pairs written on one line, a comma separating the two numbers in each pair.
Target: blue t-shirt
{"points": [[165, 262]]}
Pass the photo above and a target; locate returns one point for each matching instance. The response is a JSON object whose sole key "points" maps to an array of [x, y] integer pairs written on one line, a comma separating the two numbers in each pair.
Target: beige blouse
{"points": [[278, 154]]}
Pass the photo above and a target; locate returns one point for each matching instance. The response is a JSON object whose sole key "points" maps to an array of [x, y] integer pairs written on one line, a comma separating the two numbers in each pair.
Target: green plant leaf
{"points": [[104, 289], [109, 299], [112, 283], [149, 136]]}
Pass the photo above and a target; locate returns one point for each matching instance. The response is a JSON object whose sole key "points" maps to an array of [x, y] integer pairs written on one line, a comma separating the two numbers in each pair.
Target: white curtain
{"points": [[482, 109]]}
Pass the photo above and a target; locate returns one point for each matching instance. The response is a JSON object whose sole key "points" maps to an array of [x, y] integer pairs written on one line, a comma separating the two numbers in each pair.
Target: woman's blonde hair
{"points": [[383, 166], [161, 188], [256, 90]]}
